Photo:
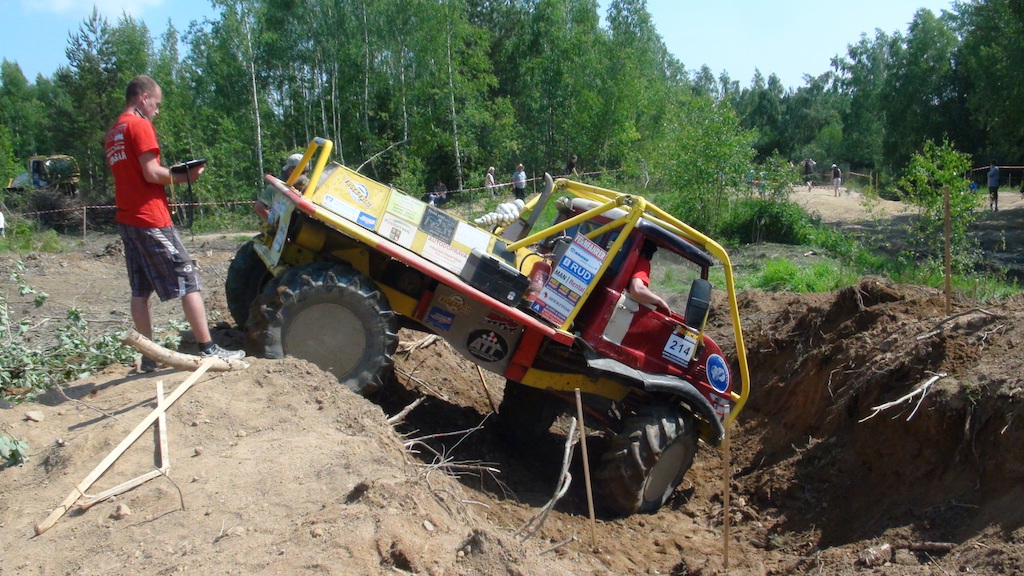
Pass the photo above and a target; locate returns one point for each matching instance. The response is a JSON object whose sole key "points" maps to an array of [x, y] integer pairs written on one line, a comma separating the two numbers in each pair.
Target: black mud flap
{"points": [[663, 383]]}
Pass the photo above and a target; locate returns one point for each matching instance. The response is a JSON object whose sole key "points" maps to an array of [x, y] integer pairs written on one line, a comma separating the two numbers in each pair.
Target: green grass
{"points": [[26, 236]]}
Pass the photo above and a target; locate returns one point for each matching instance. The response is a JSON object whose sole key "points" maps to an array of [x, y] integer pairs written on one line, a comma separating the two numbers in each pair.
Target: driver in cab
{"points": [[640, 281]]}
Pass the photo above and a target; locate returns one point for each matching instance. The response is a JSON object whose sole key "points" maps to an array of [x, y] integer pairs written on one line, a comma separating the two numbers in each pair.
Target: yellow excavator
{"points": [[57, 172]]}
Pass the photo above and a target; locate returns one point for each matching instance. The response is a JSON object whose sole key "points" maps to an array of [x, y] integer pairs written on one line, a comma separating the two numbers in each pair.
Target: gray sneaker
{"points": [[219, 352]]}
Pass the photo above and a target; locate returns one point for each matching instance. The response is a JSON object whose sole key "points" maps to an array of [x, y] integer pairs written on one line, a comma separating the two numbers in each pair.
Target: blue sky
{"points": [[788, 37]]}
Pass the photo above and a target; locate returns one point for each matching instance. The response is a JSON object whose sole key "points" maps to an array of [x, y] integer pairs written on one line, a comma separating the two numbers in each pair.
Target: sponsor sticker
{"points": [[487, 345], [503, 323], [455, 303], [367, 220], [718, 373], [440, 319]]}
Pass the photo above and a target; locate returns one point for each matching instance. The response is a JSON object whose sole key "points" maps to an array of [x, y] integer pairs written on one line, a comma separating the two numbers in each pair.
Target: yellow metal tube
{"points": [[564, 225]]}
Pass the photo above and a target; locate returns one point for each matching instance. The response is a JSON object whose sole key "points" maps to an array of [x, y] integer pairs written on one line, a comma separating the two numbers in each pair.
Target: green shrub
{"points": [[753, 220]]}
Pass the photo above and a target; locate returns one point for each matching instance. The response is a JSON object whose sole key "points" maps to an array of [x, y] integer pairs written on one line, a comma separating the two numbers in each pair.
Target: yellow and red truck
{"points": [[342, 264]]}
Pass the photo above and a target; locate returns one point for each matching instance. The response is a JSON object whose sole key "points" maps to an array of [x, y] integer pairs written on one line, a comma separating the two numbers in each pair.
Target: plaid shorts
{"points": [[157, 261]]}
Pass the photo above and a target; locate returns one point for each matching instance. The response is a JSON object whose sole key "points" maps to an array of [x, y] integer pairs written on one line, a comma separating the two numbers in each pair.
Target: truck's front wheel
{"points": [[247, 274], [333, 316], [647, 461]]}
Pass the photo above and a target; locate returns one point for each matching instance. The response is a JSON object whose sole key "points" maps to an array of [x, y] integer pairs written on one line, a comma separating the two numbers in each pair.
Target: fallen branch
{"points": [[939, 327], [558, 545], [941, 547], [187, 362], [422, 384], [564, 480], [406, 347], [405, 411], [922, 390]]}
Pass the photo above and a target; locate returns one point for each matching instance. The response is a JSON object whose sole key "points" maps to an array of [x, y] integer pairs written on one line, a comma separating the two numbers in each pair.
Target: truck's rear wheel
{"points": [[246, 277], [333, 316], [526, 412], [647, 461]]}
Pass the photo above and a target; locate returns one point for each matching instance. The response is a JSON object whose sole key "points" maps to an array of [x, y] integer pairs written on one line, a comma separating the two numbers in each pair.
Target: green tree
{"points": [[929, 173], [921, 97], [699, 160], [862, 79], [20, 110], [990, 59]]}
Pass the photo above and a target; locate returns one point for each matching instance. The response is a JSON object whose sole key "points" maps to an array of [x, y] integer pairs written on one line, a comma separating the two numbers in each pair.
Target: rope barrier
{"points": [[250, 202], [112, 207]]}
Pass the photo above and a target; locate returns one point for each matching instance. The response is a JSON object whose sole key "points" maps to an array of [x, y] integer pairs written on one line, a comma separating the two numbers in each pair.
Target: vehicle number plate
{"points": [[680, 346]]}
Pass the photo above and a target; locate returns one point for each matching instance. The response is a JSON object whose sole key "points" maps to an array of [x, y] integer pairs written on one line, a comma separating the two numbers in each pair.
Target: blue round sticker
{"points": [[718, 373]]}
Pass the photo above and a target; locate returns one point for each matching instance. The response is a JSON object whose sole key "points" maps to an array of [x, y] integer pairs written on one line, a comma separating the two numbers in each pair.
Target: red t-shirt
{"points": [[139, 202], [642, 270]]}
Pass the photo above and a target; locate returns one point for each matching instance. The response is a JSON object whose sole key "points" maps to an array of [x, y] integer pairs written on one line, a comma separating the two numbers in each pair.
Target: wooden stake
{"points": [[161, 428], [586, 470], [726, 491], [486, 389], [946, 230], [88, 501], [82, 486]]}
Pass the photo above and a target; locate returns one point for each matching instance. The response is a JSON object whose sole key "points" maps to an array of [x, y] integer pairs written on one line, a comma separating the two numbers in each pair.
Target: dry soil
{"points": [[278, 470]]}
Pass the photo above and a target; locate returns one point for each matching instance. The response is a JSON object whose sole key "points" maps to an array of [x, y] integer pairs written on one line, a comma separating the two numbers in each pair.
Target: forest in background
{"points": [[421, 90]]}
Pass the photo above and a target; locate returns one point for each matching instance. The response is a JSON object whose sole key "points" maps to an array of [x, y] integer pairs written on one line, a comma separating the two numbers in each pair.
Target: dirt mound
{"points": [[274, 470], [278, 470]]}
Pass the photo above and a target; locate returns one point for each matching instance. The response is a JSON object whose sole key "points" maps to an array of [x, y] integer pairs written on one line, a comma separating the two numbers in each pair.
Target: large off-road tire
{"points": [[527, 413], [333, 316], [247, 275], [647, 461]]}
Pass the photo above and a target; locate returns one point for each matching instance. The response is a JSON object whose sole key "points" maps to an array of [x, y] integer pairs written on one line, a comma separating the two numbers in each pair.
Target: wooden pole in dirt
{"points": [[84, 485], [946, 230], [586, 469], [726, 491]]}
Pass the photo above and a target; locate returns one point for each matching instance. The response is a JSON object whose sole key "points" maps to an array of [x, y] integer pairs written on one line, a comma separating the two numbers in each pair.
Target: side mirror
{"points": [[697, 304]]}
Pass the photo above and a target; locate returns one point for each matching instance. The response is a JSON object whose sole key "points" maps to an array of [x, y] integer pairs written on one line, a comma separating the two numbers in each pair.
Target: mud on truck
{"points": [[342, 264]]}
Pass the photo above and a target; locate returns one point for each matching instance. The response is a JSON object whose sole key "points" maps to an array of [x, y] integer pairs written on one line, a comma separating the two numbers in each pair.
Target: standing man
{"points": [[3, 225], [489, 184], [809, 164], [519, 182], [993, 187], [156, 259], [837, 179]]}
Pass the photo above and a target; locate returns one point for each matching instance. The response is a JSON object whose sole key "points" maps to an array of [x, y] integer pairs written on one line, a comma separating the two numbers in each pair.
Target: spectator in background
{"points": [[809, 165], [993, 187], [519, 182], [837, 179], [489, 184], [439, 194], [3, 225], [570, 168]]}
